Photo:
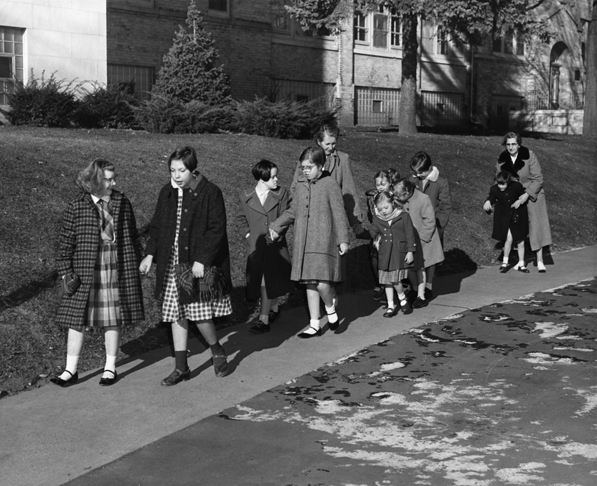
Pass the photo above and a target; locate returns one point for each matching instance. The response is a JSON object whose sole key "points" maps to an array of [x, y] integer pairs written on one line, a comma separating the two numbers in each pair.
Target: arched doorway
{"points": [[561, 77]]}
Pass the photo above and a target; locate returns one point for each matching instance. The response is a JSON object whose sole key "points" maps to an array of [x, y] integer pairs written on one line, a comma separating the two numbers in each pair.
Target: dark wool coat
{"points": [[202, 236], [505, 217], [439, 193], [264, 257], [527, 170], [422, 214], [338, 165], [397, 238], [320, 225], [78, 249]]}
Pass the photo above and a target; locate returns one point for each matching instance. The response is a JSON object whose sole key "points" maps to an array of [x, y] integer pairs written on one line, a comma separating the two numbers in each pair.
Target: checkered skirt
{"points": [[172, 309], [103, 308]]}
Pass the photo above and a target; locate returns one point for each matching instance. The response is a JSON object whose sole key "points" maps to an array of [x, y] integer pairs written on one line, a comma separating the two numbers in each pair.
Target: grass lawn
{"points": [[38, 168]]}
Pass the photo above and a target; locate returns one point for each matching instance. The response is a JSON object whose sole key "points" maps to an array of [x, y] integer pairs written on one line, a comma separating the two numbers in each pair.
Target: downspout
{"points": [[472, 61]]}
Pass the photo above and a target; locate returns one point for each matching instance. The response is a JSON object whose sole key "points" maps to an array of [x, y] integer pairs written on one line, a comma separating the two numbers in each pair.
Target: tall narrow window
{"points": [[443, 46], [509, 44], [11, 60], [380, 30], [396, 31], [519, 45], [360, 27]]}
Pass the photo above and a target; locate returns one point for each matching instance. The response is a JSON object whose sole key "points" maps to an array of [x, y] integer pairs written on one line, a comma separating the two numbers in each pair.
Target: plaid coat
{"points": [[78, 248]]}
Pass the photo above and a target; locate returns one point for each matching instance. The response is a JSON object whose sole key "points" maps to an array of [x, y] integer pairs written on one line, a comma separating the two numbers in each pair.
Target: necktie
{"points": [[107, 221]]}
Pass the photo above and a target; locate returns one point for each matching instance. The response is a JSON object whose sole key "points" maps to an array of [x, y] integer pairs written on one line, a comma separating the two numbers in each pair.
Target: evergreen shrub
{"points": [[106, 107], [42, 102], [282, 119]]}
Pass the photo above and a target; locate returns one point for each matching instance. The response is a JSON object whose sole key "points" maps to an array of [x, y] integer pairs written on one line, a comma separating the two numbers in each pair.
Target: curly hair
{"points": [[90, 178]]}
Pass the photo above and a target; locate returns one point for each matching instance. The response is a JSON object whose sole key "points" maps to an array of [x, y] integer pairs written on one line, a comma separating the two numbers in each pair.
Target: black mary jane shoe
{"points": [[109, 381], [260, 328], [391, 312], [406, 308], [420, 303], [504, 268], [176, 377], [65, 383], [307, 335], [220, 362], [523, 269], [333, 325]]}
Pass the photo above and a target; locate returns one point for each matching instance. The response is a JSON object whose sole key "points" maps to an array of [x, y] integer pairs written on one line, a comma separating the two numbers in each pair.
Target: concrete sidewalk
{"points": [[52, 435]]}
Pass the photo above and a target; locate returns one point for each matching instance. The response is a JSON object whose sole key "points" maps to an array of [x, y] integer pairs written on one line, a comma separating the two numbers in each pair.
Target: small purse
{"points": [[69, 284], [211, 286]]}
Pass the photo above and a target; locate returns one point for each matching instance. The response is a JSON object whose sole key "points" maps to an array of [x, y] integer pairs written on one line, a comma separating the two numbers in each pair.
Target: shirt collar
{"points": [[433, 175], [96, 199]]}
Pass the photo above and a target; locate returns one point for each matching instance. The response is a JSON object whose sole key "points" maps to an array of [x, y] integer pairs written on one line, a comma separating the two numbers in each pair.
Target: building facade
{"points": [[266, 53]]}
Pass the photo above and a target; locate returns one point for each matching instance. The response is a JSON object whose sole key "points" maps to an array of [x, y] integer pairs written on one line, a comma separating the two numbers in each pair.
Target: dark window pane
{"points": [[497, 44], [380, 31], [220, 5], [5, 67]]}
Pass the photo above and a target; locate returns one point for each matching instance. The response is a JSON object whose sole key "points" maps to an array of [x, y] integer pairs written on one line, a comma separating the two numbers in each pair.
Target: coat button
{"points": [[184, 229], [186, 210], [186, 247]]}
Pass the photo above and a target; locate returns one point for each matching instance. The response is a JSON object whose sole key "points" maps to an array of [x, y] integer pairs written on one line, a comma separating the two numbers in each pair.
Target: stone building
{"points": [[266, 53]]}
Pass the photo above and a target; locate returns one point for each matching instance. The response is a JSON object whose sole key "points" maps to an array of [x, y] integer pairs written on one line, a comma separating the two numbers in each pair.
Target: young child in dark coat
{"points": [[384, 180], [399, 248], [510, 219], [268, 262]]}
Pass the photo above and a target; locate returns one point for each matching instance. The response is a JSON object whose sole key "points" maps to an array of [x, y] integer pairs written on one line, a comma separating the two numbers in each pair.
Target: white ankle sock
{"points": [[331, 312], [71, 366], [109, 366], [506, 260], [264, 318]]}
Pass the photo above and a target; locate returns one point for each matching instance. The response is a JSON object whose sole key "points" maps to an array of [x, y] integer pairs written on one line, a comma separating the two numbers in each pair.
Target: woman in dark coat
{"points": [[268, 262], [510, 219], [188, 240], [320, 237], [98, 263], [524, 166]]}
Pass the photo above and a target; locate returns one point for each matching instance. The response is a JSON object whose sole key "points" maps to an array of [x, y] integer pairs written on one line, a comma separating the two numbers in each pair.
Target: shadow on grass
{"points": [[27, 291]]}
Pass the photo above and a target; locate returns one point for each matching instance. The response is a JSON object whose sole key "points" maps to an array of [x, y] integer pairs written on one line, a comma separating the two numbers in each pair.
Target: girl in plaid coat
{"points": [[98, 263], [188, 240]]}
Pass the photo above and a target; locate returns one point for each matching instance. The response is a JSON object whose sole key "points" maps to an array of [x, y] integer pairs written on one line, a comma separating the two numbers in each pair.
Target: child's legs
{"points": [[429, 275], [389, 294], [180, 335], [111, 340], [313, 301], [520, 250], [266, 304], [75, 342], [327, 293], [507, 246], [207, 329]]}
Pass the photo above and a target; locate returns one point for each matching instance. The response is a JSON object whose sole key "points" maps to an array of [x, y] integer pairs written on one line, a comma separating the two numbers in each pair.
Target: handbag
{"points": [[69, 284], [212, 286]]}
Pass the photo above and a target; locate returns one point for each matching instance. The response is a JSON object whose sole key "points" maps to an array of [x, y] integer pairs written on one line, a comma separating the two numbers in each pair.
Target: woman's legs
{"points": [[112, 340], [429, 276], [540, 264]]}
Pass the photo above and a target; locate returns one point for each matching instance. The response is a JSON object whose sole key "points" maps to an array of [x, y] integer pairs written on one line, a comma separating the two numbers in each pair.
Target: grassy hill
{"points": [[38, 168]]}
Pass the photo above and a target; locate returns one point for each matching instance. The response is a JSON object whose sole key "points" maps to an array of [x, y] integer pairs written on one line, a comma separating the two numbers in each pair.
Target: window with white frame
{"points": [[509, 44], [11, 60], [384, 24]]}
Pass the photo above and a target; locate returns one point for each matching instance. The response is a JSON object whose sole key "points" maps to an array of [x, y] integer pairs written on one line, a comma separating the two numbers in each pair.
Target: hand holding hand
{"points": [[343, 248], [145, 265], [198, 270]]}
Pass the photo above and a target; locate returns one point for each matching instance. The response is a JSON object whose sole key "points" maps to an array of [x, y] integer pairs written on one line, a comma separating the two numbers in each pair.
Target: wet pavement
{"points": [[505, 394]]}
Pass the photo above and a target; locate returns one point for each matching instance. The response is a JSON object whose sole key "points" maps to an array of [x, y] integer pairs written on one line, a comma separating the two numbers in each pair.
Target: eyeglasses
{"points": [[307, 168], [110, 181]]}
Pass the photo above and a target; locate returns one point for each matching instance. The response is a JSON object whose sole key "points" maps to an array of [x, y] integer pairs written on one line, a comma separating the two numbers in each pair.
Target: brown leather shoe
{"points": [[176, 377]]}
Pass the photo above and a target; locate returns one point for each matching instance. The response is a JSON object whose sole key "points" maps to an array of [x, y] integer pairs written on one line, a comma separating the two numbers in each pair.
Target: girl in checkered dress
{"points": [[188, 240], [98, 262]]}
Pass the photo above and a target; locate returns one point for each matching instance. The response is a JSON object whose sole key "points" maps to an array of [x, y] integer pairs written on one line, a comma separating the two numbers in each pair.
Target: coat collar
{"points": [[505, 161], [195, 187], [271, 201], [324, 174]]}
